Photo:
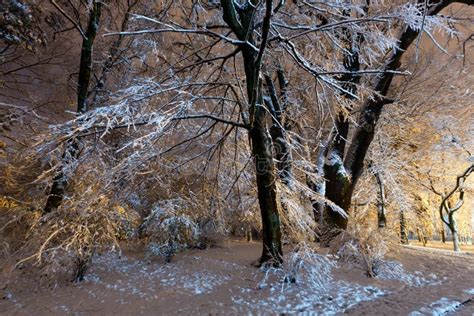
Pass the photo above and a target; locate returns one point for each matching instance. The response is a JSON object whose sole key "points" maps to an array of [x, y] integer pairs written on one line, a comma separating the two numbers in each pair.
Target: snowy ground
{"points": [[221, 280]]}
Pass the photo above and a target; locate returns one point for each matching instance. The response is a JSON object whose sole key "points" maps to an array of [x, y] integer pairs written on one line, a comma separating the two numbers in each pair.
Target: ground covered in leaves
{"points": [[222, 280]]}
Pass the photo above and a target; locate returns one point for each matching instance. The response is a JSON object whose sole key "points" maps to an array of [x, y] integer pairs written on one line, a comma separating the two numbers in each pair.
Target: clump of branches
{"points": [[65, 240], [364, 249], [303, 266], [169, 229]]}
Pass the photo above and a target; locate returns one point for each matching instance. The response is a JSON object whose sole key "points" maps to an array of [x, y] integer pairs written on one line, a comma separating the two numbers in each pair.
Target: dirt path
{"points": [[448, 246], [222, 281]]}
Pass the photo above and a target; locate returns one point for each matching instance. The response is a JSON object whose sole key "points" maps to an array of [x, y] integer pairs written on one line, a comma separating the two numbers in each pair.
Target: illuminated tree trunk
{"points": [[453, 227]]}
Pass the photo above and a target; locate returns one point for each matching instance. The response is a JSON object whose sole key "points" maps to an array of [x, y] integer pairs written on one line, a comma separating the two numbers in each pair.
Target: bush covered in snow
{"points": [[168, 229]]}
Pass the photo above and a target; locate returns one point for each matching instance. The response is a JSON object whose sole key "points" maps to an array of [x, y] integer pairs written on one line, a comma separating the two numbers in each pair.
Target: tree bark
{"points": [[85, 68], [456, 246], [454, 232], [267, 192], [337, 190], [381, 218]]}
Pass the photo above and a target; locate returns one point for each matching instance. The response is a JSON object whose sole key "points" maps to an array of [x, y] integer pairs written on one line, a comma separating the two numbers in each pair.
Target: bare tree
{"points": [[452, 201]]}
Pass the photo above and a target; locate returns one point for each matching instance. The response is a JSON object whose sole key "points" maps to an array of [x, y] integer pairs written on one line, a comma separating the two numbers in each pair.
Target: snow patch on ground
{"points": [[470, 291], [304, 284], [147, 279], [440, 307], [10, 297], [392, 270], [195, 283], [297, 298]]}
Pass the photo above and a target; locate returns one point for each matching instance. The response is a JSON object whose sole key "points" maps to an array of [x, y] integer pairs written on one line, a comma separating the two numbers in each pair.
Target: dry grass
{"points": [[65, 239]]}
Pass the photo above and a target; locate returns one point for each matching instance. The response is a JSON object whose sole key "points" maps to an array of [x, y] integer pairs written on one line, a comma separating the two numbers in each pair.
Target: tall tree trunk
{"points": [[85, 67], [267, 192], [241, 20], [264, 168], [60, 180]]}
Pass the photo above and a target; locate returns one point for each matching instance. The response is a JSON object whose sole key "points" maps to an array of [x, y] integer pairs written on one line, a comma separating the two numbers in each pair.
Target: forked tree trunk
{"points": [[338, 184], [241, 21]]}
